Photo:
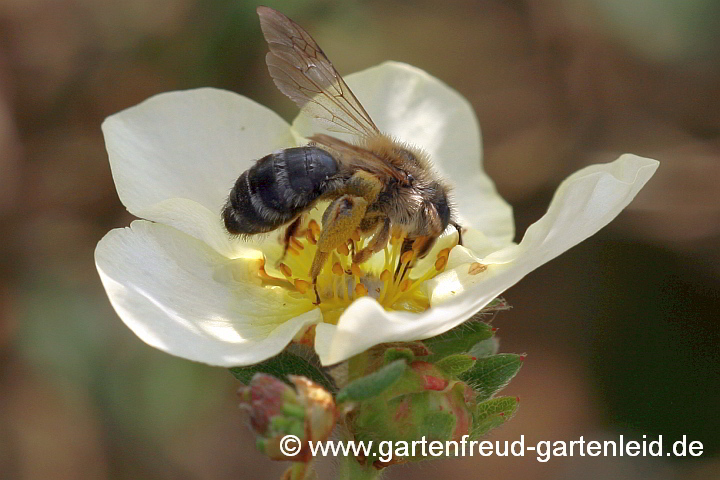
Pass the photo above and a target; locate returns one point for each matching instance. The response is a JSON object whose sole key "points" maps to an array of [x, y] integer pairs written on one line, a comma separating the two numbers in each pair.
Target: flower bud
{"points": [[426, 402], [276, 409]]}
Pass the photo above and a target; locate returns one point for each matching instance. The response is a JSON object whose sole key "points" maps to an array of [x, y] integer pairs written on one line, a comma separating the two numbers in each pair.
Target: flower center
{"points": [[393, 277]]}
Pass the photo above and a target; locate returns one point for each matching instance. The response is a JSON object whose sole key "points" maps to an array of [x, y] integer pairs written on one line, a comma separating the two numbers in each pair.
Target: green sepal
{"points": [[373, 384], [491, 374], [485, 348], [491, 414], [454, 365], [438, 425], [397, 353], [458, 340], [280, 366]]}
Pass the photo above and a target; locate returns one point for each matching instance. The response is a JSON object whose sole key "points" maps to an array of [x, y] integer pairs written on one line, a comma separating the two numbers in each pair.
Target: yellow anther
{"points": [[407, 256], [295, 243], [445, 252], [314, 228], [285, 270], [311, 237], [343, 249], [337, 269], [261, 270], [476, 268], [405, 284], [360, 290], [301, 285], [440, 263], [355, 269], [385, 275], [419, 244], [356, 235], [293, 251]]}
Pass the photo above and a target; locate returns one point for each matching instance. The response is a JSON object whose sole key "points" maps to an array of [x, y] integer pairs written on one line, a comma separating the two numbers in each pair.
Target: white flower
{"points": [[185, 286]]}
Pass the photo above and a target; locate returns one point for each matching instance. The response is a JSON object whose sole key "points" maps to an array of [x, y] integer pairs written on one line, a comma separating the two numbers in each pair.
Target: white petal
{"points": [[182, 297], [190, 145], [416, 108], [584, 203]]}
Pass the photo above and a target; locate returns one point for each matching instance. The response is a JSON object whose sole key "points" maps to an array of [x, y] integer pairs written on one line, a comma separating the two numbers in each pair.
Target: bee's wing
{"points": [[301, 71], [357, 157]]}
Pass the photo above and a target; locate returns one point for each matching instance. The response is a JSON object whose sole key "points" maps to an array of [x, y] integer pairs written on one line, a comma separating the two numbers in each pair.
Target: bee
{"points": [[376, 186]]}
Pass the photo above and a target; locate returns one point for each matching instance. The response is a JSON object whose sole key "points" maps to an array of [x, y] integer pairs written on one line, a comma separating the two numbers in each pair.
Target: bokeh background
{"points": [[622, 332]]}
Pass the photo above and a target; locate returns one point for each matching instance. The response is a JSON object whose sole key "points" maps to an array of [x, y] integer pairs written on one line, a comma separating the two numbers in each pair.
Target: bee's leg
{"points": [[290, 232], [378, 242], [340, 220], [459, 229]]}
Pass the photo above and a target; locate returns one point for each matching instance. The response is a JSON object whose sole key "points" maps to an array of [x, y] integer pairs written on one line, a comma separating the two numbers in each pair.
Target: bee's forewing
{"points": [[301, 71]]}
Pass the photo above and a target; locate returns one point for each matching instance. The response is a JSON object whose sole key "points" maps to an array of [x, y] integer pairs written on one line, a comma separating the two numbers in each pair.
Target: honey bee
{"points": [[376, 186]]}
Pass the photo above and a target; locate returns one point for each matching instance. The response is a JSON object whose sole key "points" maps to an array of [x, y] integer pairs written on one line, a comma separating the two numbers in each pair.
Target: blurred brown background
{"points": [[621, 332]]}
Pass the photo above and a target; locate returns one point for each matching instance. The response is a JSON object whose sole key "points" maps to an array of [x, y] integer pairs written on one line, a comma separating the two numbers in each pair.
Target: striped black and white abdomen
{"points": [[277, 188]]}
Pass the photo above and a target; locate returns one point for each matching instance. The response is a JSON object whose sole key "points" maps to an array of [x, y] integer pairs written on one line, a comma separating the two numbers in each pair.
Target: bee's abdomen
{"points": [[277, 188]]}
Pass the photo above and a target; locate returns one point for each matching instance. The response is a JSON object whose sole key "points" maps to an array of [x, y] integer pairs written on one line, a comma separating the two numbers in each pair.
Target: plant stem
{"points": [[351, 469]]}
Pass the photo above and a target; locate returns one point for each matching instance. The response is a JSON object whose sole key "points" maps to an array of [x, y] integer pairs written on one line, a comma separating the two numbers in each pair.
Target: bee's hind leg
{"points": [[340, 220], [290, 232], [379, 240]]}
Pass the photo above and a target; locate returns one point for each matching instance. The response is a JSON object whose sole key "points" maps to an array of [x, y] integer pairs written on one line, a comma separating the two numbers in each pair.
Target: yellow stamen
{"points": [[285, 270], [301, 285], [293, 251], [337, 269], [356, 235], [360, 290], [343, 250], [385, 275], [407, 256], [314, 228], [295, 243], [440, 263], [311, 237], [355, 269], [445, 252]]}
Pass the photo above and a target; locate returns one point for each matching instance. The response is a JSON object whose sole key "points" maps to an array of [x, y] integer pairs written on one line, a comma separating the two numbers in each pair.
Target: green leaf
{"points": [[490, 374], [374, 384], [458, 340], [280, 366], [454, 365], [492, 413]]}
